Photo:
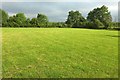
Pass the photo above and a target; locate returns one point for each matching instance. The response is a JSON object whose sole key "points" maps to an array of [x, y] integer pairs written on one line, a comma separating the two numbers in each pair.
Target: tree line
{"points": [[98, 18]]}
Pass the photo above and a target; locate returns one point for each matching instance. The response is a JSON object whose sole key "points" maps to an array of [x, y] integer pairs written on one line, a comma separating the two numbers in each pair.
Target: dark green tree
{"points": [[28, 24], [74, 17], [98, 24], [34, 22], [42, 20], [12, 21], [20, 19], [3, 18], [102, 14]]}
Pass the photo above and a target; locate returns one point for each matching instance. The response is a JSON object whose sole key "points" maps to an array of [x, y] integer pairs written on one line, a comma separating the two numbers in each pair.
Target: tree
{"points": [[3, 18], [28, 24], [34, 22], [74, 17], [12, 22], [42, 20], [102, 14], [98, 24], [20, 19]]}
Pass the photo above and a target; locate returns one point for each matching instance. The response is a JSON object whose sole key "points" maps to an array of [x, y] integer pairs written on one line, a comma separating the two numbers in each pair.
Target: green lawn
{"points": [[59, 52]]}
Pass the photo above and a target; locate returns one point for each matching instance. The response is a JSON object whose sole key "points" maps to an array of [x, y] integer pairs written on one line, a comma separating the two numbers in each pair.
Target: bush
{"points": [[56, 25], [61, 25], [43, 25], [98, 24], [114, 25], [79, 25], [90, 25], [4, 24]]}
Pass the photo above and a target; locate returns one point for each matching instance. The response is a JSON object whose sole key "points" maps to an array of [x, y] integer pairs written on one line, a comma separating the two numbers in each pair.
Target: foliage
{"points": [[90, 25], [80, 25], [98, 18], [56, 25], [101, 14], [115, 25], [27, 22], [42, 20], [34, 22], [20, 19], [74, 18], [12, 22], [98, 24], [3, 17]]}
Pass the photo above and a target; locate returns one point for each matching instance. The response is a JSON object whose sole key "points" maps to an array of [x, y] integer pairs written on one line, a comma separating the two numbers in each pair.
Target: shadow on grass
{"points": [[118, 36]]}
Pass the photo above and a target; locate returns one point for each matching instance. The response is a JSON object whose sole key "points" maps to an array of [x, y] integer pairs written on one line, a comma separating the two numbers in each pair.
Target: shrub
{"points": [[79, 25], [98, 24]]}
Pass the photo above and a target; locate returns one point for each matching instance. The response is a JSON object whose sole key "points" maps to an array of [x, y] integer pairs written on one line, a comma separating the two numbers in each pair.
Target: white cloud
{"points": [[113, 8], [28, 15], [11, 14], [56, 11]]}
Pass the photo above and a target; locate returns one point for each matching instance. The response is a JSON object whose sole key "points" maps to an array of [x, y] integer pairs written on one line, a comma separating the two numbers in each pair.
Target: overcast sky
{"points": [[57, 10]]}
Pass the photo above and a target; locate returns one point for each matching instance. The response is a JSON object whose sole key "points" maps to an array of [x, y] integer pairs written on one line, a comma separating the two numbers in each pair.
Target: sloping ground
{"points": [[59, 52]]}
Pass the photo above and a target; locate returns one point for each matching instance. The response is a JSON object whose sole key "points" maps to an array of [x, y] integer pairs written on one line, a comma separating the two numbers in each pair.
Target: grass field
{"points": [[59, 52]]}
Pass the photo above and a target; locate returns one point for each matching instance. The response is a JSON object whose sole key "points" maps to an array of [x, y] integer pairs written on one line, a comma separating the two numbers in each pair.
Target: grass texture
{"points": [[59, 53]]}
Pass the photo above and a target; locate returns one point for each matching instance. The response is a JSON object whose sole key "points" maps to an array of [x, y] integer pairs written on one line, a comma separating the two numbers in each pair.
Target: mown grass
{"points": [[0, 53], [59, 53]]}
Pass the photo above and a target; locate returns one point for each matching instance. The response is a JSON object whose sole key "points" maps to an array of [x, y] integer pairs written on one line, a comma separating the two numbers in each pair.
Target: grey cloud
{"points": [[56, 11]]}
